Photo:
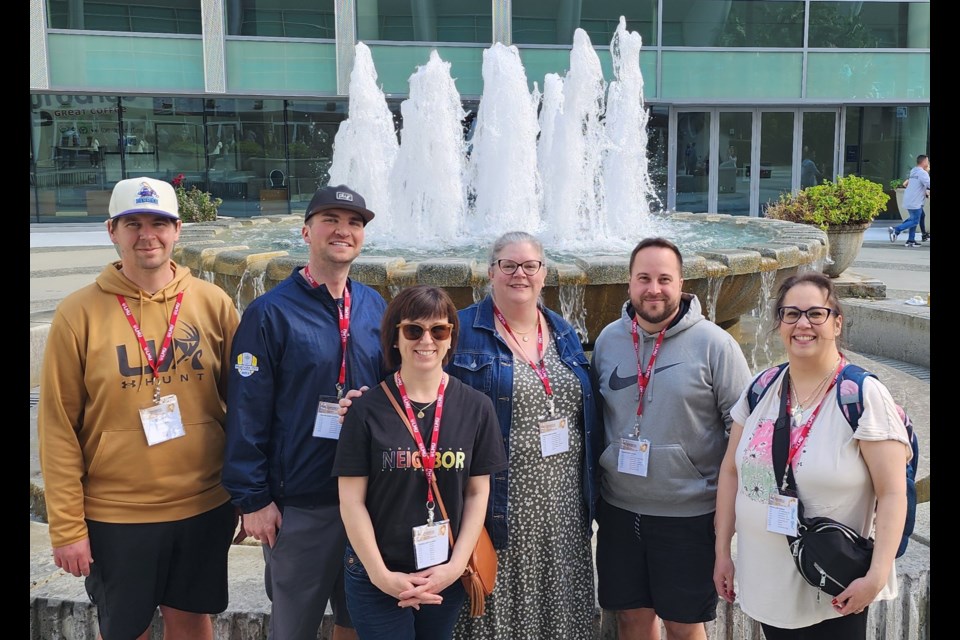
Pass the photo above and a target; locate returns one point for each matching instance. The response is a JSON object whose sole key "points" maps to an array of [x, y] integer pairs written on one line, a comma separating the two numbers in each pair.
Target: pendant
{"points": [[797, 413], [420, 414], [526, 339]]}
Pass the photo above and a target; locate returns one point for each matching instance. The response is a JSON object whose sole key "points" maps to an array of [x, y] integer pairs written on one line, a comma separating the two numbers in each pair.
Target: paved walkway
{"points": [[64, 257]]}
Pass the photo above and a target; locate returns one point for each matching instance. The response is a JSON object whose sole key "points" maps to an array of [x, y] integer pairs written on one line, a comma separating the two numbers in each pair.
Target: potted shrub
{"points": [[195, 205], [843, 208]]}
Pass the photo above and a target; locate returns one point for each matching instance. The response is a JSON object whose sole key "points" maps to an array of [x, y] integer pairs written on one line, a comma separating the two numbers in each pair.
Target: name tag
{"points": [[431, 544], [327, 423], [782, 514], [162, 421], [554, 436], [634, 456]]}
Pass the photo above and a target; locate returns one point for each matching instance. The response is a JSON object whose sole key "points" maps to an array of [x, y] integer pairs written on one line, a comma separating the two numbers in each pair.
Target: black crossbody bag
{"points": [[828, 554]]}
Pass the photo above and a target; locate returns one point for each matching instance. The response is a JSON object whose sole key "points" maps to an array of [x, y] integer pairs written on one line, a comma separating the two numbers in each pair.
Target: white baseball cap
{"points": [[144, 195]]}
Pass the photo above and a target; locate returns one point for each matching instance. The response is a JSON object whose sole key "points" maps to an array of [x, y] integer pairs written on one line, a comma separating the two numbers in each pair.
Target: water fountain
{"points": [[575, 175]]}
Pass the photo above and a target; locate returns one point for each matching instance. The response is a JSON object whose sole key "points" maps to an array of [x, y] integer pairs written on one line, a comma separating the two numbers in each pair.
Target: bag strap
{"points": [[781, 448], [761, 383], [433, 479]]}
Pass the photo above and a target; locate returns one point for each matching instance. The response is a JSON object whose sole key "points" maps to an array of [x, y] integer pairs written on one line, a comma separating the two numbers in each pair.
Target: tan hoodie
{"points": [[94, 455]]}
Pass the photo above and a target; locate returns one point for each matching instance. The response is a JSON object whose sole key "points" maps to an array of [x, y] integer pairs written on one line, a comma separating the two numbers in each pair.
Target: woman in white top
{"points": [[842, 474]]}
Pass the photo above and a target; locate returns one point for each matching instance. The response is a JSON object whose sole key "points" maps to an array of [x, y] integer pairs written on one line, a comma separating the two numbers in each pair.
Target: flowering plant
{"points": [[195, 205]]}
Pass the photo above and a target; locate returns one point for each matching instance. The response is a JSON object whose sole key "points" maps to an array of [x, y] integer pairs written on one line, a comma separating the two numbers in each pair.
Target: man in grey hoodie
{"points": [[668, 377]]}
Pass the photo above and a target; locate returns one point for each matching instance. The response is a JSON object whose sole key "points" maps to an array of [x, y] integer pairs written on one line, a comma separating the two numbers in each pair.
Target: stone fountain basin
{"points": [[589, 291]]}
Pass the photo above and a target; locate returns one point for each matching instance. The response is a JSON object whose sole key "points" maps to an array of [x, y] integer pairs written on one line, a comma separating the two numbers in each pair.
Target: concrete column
{"points": [[503, 21], [213, 21], [346, 25], [39, 69]]}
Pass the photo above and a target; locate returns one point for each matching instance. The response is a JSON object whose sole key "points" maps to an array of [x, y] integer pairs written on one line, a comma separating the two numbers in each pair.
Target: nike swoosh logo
{"points": [[618, 382]]}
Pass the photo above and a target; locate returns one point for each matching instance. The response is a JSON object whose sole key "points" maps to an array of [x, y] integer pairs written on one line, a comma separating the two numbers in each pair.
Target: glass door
{"points": [[692, 161], [735, 137], [775, 162]]}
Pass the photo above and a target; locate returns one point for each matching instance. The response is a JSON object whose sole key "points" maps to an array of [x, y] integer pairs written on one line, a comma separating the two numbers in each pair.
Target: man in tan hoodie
{"points": [[131, 429]]}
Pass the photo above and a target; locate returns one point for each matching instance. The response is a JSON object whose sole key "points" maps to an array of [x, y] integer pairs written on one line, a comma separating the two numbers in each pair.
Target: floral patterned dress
{"points": [[545, 577]]}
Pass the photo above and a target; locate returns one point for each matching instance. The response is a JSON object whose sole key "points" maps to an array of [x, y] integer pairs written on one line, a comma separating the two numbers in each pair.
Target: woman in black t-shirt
{"points": [[401, 577]]}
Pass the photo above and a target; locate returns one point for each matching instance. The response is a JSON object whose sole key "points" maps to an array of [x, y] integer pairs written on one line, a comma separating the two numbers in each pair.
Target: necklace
{"points": [[798, 411], [420, 410], [523, 334]]}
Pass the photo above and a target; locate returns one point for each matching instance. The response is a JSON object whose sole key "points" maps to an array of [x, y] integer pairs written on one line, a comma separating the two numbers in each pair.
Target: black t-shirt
{"points": [[374, 442]]}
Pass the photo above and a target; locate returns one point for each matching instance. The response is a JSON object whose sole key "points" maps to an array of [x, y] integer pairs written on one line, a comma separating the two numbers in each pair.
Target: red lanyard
{"points": [[539, 369], [643, 377], [167, 339], [428, 459], [344, 313], [805, 430]]}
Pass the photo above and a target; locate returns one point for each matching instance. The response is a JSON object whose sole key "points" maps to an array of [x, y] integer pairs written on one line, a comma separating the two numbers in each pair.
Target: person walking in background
{"points": [[131, 429], [400, 551], [917, 190], [810, 174], [298, 347], [848, 476], [530, 363], [668, 378]]}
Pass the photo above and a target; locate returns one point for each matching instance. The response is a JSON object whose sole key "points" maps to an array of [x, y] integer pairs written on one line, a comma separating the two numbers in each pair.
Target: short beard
{"points": [[667, 312]]}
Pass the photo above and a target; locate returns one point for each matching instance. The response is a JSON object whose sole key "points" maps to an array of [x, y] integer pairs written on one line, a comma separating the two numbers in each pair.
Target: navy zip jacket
{"points": [[484, 361], [286, 354]]}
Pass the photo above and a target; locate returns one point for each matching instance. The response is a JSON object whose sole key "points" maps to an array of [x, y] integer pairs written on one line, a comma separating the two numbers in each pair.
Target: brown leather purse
{"points": [[480, 575]]}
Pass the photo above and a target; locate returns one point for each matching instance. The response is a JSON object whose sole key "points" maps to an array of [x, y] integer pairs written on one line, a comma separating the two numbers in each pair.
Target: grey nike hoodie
{"points": [[699, 374]]}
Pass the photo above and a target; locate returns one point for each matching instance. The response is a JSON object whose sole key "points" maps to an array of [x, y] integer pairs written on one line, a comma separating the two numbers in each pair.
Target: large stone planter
{"points": [[903, 210], [844, 244]]}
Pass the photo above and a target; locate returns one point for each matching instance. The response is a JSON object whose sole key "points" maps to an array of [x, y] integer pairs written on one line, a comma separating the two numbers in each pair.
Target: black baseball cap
{"points": [[339, 197]]}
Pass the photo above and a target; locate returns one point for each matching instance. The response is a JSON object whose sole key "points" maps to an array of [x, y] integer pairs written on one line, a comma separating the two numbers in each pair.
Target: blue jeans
{"points": [[376, 615], [910, 223]]}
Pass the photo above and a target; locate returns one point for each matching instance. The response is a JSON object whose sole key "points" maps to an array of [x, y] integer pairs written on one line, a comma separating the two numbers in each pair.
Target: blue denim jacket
{"points": [[485, 362]]}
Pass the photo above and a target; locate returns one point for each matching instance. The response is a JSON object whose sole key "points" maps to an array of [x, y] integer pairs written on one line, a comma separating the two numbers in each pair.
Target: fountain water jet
{"points": [[590, 160]]}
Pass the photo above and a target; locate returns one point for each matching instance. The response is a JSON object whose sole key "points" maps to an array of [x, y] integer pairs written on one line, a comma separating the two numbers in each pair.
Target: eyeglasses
{"points": [[509, 267], [816, 315], [413, 331]]}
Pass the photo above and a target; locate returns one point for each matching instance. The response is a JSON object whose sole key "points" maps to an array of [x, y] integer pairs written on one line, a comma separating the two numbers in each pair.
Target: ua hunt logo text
{"points": [[185, 358]]}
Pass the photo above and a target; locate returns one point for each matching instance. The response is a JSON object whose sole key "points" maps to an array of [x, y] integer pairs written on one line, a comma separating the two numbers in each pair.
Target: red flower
{"points": [[176, 182]]}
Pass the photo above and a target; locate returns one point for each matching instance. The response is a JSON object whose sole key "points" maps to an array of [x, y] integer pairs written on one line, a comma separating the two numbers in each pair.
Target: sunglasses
{"points": [[412, 331], [816, 315]]}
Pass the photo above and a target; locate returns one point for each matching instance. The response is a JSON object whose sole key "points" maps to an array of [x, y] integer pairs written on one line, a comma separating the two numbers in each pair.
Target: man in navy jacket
{"points": [[297, 349]]}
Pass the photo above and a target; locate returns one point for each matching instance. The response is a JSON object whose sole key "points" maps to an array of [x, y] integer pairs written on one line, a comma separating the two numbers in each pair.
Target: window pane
{"points": [[140, 16], [126, 64], [545, 22], [884, 75], [425, 20], [733, 184], [281, 18], [732, 23], [311, 128], [776, 149], [817, 152], [864, 25], [731, 75]]}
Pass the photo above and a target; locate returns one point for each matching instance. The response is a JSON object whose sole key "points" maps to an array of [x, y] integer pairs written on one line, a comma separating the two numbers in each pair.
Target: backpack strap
{"points": [[850, 393], [761, 383]]}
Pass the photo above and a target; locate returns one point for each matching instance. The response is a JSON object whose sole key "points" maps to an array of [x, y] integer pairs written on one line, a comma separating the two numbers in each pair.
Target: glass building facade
{"points": [[227, 92]]}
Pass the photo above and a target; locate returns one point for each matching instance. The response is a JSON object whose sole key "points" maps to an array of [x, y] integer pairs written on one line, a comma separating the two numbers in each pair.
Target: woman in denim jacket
{"points": [[530, 362]]}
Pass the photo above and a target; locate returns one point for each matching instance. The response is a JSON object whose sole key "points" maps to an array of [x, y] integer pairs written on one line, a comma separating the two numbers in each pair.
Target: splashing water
{"points": [[502, 170], [713, 294], [760, 341], [365, 146], [434, 192], [427, 191]]}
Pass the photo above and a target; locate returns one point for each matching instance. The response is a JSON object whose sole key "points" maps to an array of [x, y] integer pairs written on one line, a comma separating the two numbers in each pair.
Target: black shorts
{"points": [[136, 567], [656, 562]]}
